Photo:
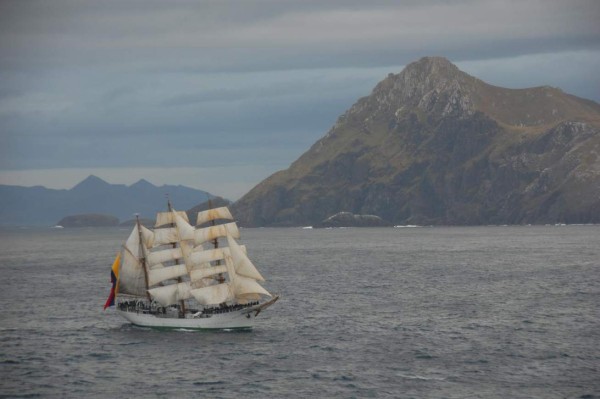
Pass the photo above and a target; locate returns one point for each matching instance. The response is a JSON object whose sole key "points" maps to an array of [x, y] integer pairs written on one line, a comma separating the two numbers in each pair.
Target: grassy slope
{"points": [[371, 145]]}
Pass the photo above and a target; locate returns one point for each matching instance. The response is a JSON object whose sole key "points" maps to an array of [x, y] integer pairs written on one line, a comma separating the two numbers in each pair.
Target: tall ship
{"points": [[183, 276]]}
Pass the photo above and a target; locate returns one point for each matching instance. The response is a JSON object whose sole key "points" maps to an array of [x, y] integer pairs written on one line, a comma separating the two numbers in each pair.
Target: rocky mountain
{"points": [[434, 145], [42, 206]]}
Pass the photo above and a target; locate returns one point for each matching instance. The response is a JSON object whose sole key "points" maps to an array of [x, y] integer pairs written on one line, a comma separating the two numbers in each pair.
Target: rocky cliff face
{"points": [[433, 145]]}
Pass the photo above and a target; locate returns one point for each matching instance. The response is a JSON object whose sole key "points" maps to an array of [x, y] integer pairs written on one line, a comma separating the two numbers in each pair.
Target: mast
{"points": [[220, 279], [143, 253], [179, 280]]}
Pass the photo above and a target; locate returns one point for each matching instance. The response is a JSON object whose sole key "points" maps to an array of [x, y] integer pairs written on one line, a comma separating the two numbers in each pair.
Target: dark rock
{"points": [[348, 219]]}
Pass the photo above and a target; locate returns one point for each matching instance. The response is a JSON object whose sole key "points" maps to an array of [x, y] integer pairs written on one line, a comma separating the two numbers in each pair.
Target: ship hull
{"points": [[231, 320], [242, 319]]}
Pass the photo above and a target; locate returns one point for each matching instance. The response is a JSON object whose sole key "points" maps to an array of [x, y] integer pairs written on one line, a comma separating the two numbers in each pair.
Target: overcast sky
{"points": [[218, 95]]}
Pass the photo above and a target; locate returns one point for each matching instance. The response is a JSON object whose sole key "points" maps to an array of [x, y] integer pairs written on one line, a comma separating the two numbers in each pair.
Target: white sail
{"points": [[200, 273], [147, 236], [243, 266], [210, 255], [210, 233], [133, 241], [158, 275], [186, 250], [171, 294], [163, 218], [131, 275], [213, 294], [244, 286], [165, 236], [156, 266], [245, 298], [156, 257], [213, 214], [185, 230]]}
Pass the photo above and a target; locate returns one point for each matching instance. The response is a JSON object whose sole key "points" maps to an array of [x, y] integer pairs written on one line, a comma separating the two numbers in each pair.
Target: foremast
{"points": [[142, 253]]}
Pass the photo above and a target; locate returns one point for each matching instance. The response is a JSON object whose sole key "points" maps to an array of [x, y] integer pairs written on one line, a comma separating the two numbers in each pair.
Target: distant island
{"points": [[88, 220]]}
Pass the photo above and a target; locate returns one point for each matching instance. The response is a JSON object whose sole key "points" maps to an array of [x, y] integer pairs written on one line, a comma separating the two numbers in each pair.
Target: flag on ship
{"points": [[114, 277]]}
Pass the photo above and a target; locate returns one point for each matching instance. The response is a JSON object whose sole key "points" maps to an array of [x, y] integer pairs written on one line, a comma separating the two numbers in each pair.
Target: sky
{"points": [[218, 95]]}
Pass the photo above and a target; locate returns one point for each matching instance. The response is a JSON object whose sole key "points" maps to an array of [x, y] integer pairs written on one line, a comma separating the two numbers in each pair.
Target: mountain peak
{"points": [[433, 65], [94, 178], [431, 83], [432, 73], [142, 183], [90, 181]]}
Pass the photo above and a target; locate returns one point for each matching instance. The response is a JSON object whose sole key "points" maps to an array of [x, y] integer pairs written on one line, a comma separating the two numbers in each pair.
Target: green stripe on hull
{"points": [[198, 329]]}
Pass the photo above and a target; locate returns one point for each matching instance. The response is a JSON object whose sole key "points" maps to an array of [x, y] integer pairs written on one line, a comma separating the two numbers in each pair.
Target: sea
{"points": [[424, 312]]}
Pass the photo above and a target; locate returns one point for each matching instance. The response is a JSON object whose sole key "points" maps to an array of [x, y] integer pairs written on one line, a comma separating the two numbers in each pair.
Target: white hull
{"points": [[239, 319]]}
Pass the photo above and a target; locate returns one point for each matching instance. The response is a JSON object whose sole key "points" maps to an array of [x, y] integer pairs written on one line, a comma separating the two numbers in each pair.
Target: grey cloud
{"points": [[86, 138], [309, 34], [146, 83]]}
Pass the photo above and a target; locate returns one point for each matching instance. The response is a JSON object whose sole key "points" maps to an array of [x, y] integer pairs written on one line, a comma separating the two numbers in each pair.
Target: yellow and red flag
{"points": [[114, 278]]}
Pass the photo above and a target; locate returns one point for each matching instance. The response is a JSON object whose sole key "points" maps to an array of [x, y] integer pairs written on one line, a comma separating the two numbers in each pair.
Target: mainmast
{"points": [[220, 277], [143, 253], [179, 279]]}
